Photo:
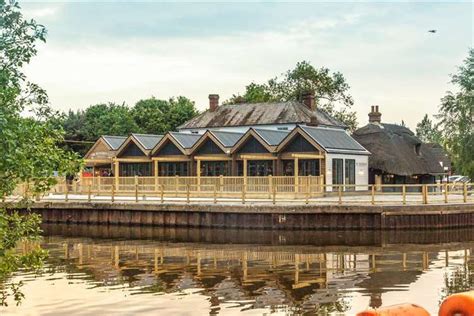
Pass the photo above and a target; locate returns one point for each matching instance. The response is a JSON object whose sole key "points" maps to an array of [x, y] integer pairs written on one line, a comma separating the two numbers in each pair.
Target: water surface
{"points": [[111, 270]]}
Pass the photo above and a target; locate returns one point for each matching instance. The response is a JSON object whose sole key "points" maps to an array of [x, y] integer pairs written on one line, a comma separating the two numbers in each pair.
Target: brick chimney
{"points": [[375, 117], [308, 100], [213, 102]]}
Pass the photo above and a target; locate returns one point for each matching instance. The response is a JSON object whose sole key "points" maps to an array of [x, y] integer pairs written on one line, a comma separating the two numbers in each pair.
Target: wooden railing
{"points": [[307, 189]]}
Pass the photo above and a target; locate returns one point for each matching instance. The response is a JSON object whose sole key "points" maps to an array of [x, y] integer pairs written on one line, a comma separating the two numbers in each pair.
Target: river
{"points": [[112, 270]]}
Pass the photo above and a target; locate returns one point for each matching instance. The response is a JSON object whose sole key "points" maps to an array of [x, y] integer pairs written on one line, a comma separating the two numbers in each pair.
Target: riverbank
{"points": [[259, 215]]}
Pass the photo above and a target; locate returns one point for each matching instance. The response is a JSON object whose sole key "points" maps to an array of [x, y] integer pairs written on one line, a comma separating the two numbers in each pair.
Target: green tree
{"points": [[427, 131], [156, 116], [456, 116], [108, 119], [29, 146], [331, 91]]}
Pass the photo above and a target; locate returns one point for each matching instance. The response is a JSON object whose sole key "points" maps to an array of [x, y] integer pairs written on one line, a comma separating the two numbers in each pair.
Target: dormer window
{"points": [[417, 149]]}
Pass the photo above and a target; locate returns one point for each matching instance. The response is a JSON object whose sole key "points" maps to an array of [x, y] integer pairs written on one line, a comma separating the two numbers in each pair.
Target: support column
{"points": [[198, 174], [116, 174], [244, 166], [296, 170], [155, 163]]}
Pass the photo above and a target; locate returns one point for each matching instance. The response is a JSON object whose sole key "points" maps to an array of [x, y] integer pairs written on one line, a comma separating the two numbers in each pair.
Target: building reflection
{"points": [[272, 273]]}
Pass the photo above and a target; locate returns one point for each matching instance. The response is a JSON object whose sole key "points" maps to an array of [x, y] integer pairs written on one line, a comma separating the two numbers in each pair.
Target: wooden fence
{"points": [[308, 189]]}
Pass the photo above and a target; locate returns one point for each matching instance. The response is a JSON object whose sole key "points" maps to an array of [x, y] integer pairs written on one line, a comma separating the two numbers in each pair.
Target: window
{"points": [[214, 168], [350, 173], [306, 167], [337, 171], [256, 168], [135, 169], [169, 169]]}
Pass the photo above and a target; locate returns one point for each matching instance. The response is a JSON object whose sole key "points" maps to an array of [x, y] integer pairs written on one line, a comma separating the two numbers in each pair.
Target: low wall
{"points": [[301, 217]]}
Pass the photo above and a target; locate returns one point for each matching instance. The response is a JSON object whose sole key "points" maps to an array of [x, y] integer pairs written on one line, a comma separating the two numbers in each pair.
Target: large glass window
{"points": [[141, 169], [350, 173], [306, 167], [169, 169], [337, 171], [256, 168], [214, 168]]}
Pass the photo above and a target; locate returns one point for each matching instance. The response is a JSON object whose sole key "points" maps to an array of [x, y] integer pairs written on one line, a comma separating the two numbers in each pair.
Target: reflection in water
{"points": [[252, 271]]}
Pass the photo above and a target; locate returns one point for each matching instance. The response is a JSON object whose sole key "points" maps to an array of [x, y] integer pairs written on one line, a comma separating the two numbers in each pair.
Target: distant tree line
{"points": [[454, 124], [148, 116]]}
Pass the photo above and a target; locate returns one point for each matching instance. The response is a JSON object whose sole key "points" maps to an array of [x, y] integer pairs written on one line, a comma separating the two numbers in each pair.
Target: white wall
{"points": [[361, 169]]}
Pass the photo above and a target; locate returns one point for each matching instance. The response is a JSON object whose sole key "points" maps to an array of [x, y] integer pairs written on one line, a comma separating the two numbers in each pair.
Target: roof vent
{"points": [[375, 116]]}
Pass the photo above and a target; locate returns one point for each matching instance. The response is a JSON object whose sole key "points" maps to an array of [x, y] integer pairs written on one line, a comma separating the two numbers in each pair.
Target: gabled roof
{"points": [[227, 139], [114, 142], [394, 150], [186, 140], [147, 141], [334, 140], [252, 133], [271, 137], [252, 114]]}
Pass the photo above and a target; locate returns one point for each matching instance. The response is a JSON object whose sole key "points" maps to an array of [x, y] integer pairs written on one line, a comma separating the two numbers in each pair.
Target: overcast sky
{"points": [[125, 51]]}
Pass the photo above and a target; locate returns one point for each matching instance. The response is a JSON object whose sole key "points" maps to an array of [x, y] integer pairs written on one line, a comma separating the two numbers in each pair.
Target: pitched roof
{"points": [[227, 139], [394, 150], [334, 140], [114, 142], [271, 137], [251, 114], [186, 140], [440, 154], [148, 141]]}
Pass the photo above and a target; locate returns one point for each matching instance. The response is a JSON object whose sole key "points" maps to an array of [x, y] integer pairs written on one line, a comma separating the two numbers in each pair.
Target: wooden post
{"points": [[221, 182], [373, 195], [404, 261], [270, 185], [296, 169], [155, 162], [66, 197], [113, 192], [245, 171], [215, 193], [99, 185], [116, 174], [176, 184], [136, 192], [198, 174], [89, 194], [274, 195], [187, 193], [243, 193], [339, 193], [445, 193], [307, 194], [162, 193], [425, 194], [404, 189], [464, 189]]}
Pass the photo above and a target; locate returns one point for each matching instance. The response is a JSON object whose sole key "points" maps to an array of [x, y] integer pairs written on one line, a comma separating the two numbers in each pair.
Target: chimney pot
{"points": [[213, 102], [375, 116]]}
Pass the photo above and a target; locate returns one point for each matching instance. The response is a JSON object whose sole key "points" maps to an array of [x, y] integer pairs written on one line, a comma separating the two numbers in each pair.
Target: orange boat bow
{"points": [[458, 304], [397, 310]]}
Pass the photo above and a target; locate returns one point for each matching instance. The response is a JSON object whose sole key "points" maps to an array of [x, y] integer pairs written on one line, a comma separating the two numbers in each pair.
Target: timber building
{"points": [[290, 139]]}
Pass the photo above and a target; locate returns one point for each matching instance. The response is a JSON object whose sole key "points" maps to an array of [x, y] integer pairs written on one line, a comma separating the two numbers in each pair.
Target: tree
{"points": [[427, 132], [108, 119], [29, 146], [330, 90], [456, 118], [156, 116]]}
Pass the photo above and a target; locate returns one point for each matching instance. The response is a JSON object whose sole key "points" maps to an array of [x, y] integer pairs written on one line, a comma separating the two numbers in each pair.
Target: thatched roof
{"points": [[440, 154], [396, 150], [252, 114]]}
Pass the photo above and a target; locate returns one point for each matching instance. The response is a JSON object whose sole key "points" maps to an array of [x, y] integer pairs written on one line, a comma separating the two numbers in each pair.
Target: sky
{"points": [[110, 51]]}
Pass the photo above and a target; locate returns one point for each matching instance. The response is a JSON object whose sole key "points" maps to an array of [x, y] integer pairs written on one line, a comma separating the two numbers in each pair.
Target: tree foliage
{"points": [[28, 145], [331, 91], [456, 118], [427, 131], [150, 116]]}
